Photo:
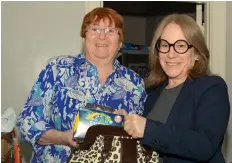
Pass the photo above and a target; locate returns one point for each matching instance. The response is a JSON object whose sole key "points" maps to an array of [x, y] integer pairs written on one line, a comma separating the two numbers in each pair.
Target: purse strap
{"points": [[95, 130], [128, 148]]}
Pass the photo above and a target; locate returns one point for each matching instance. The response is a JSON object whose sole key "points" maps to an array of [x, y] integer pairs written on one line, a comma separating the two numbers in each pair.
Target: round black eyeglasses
{"points": [[180, 46]]}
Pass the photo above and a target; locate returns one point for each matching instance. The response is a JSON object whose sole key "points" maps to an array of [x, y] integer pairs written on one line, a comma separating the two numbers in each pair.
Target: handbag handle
{"points": [[95, 130], [128, 143]]}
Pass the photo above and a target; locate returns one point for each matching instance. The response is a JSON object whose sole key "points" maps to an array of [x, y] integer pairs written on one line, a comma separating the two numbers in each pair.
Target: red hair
{"points": [[97, 14]]}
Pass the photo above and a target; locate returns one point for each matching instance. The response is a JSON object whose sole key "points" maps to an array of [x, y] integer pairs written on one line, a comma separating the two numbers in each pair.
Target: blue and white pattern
{"points": [[64, 86]]}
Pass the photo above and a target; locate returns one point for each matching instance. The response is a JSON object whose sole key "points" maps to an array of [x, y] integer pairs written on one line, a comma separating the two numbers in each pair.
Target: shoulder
{"points": [[62, 61], [214, 79], [205, 82], [58, 64], [208, 87]]}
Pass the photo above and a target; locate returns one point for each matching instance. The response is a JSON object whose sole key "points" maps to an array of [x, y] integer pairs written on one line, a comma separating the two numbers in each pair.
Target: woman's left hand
{"points": [[134, 125], [66, 138]]}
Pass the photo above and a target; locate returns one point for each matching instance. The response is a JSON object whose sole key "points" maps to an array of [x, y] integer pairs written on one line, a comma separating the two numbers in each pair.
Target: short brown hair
{"points": [[99, 13], [194, 36]]}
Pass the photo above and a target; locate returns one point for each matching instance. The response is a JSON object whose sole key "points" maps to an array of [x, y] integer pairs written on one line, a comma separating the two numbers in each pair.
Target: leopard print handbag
{"points": [[106, 144]]}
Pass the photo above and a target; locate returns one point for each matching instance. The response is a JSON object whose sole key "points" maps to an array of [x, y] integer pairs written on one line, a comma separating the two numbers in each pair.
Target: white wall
{"points": [[228, 75], [32, 32]]}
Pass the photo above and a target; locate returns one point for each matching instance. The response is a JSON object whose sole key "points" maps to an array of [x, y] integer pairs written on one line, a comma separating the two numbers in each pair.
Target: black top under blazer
{"points": [[195, 128]]}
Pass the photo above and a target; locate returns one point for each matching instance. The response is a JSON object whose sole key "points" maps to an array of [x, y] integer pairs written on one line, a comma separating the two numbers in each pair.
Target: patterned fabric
{"points": [[94, 154], [64, 86]]}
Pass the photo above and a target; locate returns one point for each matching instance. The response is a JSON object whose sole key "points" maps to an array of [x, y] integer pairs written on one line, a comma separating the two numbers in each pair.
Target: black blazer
{"points": [[196, 125]]}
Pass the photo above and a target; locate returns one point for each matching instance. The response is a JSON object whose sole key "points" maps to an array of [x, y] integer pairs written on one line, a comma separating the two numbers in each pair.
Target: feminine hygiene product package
{"points": [[93, 114]]}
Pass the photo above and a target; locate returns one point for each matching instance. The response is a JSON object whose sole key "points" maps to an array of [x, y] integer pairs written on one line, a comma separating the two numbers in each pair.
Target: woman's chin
{"points": [[172, 75], [102, 55]]}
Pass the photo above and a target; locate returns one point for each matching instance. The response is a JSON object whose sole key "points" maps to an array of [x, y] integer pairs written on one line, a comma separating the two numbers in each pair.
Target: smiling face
{"points": [[101, 46], [176, 65]]}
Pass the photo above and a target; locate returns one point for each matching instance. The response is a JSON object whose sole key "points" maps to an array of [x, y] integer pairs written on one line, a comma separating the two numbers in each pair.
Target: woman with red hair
{"points": [[68, 83]]}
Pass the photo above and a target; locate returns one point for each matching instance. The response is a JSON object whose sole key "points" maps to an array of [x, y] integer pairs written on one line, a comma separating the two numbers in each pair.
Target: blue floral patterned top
{"points": [[64, 86]]}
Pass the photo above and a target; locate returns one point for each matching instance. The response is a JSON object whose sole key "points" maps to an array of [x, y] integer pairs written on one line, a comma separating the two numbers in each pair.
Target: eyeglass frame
{"points": [[106, 30], [172, 45]]}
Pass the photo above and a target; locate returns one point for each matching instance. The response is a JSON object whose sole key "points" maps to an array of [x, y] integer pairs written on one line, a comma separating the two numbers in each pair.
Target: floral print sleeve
{"points": [[64, 86], [33, 118]]}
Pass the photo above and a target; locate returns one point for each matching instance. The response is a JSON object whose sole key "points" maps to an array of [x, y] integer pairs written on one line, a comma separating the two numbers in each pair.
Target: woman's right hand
{"points": [[67, 139], [134, 125]]}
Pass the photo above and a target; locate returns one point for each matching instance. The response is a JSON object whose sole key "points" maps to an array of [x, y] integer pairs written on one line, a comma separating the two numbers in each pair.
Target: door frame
{"points": [[215, 30]]}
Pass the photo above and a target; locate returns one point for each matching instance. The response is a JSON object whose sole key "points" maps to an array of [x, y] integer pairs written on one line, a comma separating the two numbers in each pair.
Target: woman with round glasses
{"points": [[187, 109], [68, 83]]}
